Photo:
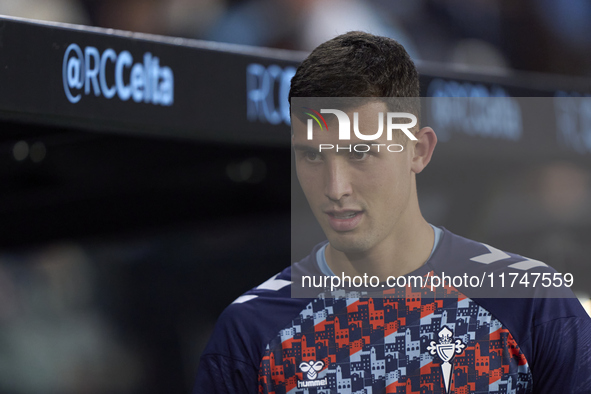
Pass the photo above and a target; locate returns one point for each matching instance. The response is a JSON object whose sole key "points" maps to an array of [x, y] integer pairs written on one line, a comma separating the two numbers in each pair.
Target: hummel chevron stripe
{"points": [[527, 264], [494, 255], [274, 284]]}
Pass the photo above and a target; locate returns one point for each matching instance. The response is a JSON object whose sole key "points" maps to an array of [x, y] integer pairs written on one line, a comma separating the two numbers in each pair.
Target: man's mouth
{"points": [[344, 215], [346, 220]]}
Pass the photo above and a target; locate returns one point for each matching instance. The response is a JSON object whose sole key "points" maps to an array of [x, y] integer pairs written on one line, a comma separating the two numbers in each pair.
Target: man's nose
{"points": [[338, 180]]}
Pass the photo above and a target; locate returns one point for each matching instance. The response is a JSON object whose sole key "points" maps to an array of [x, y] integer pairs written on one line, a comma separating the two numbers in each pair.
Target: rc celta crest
{"points": [[446, 349]]}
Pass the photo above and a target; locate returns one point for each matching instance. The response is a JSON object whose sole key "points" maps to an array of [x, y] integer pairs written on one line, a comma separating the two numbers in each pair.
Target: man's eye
{"points": [[311, 156], [359, 155]]}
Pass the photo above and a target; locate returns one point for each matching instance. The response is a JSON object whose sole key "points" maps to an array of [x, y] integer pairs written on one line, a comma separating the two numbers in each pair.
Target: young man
{"points": [[413, 340]]}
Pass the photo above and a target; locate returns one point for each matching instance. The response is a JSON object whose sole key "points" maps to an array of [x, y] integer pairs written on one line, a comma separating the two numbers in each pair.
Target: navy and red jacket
{"points": [[445, 341]]}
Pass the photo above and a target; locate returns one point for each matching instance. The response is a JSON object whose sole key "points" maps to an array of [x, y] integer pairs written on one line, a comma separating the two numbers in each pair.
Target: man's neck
{"points": [[403, 252]]}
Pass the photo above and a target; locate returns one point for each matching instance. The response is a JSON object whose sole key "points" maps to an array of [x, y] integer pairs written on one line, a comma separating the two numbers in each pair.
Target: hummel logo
{"points": [[446, 349], [312, 368]]}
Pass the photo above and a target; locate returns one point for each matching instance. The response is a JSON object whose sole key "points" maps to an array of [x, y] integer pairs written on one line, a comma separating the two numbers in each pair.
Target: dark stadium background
{"points": [[121, 244]]}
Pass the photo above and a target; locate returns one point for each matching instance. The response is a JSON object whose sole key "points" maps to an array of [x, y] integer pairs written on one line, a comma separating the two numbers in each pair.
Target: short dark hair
{"points": [[356, 64]]}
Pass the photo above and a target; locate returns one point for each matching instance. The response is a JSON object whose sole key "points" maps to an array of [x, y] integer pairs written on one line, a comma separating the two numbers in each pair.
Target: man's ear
{"points": [[423, 149]]}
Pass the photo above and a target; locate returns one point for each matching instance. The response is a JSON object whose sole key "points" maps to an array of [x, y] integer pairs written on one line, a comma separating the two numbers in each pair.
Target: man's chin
{"points": [[347, 245]]}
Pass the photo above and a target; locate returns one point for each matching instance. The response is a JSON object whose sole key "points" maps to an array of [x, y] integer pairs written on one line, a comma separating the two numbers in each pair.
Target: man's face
{"points": [[359, 199]]}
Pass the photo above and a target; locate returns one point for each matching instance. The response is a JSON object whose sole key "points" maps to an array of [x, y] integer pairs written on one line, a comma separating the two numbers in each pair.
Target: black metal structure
{"points": [[138, 129]]}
